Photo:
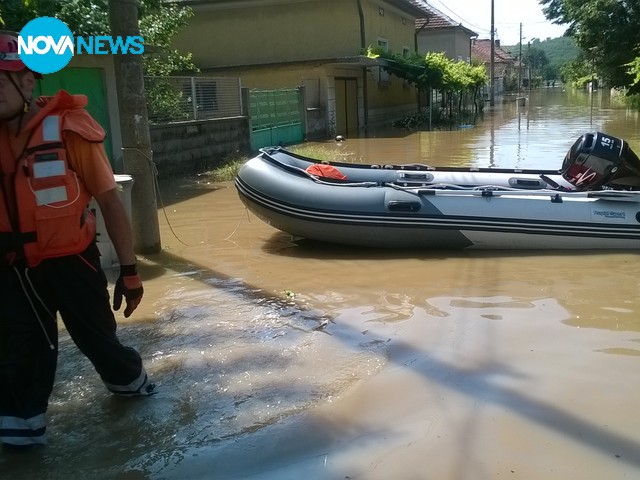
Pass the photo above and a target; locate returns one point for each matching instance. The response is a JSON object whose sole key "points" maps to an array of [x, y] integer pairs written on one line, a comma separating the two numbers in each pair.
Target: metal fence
{"points": [[175, 99]]}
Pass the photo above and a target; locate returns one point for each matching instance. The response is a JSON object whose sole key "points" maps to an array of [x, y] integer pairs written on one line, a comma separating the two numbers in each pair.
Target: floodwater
{"points": [[286, 360]]}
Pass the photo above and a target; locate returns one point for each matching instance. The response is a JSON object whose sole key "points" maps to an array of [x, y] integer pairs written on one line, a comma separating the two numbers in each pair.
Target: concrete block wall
{"points": [[196, 146]]}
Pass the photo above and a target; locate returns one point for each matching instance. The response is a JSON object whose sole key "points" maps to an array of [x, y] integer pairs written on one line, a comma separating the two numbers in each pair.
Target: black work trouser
{"points": [[74, 286]]}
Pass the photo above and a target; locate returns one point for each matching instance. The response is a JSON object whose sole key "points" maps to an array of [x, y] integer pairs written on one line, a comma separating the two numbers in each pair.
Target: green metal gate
{"points": [[86, 81], [276, 117]]}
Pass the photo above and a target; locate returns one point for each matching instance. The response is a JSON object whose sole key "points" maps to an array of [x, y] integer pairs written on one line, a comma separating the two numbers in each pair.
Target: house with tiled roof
{"points": [[505, 64], [438, 32]]}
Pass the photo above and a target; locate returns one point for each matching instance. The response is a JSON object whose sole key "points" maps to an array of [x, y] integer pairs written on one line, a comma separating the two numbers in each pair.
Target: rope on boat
{"points": [[453, 186], [454, 189], [495, 191]]}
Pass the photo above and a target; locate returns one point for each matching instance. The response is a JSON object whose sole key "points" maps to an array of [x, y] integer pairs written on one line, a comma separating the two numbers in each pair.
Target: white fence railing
{"points": [[175, 99]]}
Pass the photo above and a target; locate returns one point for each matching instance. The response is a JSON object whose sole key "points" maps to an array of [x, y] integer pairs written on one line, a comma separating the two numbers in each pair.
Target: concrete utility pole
{"points": [[520, 64], [492, 93], [134, 123]]}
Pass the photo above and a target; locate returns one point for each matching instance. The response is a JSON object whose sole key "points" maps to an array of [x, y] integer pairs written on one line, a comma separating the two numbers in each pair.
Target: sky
{"points": [[476, 15]]}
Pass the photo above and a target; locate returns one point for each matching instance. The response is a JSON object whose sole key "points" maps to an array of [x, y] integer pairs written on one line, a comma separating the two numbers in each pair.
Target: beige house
{"points": [[317, 44], [440, 33]]}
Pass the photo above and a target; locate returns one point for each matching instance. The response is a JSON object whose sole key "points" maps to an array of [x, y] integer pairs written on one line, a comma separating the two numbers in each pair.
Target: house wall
{"points": [[454, 43], [388, 97], [285, 44], [389, 101], [278, 76], [390, 23], [252, 35]]}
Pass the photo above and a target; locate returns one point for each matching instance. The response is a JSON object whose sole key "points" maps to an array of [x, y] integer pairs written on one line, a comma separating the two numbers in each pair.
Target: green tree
{"points": [[461, 77], [634, 71], [436, 71], [606, 30], [577, 73], [159, 22], [547, 57], [412, 68]]}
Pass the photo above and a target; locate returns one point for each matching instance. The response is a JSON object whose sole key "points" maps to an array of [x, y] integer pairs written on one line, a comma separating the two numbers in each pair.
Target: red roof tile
{"points": [[434, 18]]}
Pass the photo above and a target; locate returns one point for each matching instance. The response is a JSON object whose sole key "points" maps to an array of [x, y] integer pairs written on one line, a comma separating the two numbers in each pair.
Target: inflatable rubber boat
{"points": [[591, 202]]}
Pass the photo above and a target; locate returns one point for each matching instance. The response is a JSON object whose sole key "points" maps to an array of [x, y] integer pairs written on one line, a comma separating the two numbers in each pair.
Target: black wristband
{"points": [[128, 270]]}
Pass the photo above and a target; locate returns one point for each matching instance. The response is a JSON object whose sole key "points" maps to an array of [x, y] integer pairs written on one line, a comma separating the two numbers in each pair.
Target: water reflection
{"points": [[395, 281], [537, 135]]}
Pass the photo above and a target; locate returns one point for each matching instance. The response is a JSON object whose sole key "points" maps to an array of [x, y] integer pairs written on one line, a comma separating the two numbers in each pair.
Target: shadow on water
{"points": [[283, 244], [196, 419], [474, 383], [175, 191], [195, 353]]}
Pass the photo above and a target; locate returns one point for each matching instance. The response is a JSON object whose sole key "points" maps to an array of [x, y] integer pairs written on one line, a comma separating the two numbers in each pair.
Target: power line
{"points": [[511, 27], [443, 7]]}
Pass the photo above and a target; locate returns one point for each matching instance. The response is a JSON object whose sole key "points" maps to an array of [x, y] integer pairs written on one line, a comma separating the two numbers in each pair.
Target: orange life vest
{"points": [[52, 215]]}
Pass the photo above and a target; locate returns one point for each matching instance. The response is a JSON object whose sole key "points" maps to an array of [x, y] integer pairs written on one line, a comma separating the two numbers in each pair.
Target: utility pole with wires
{"points": [[520, 62], [492, 93], [134, 124]]}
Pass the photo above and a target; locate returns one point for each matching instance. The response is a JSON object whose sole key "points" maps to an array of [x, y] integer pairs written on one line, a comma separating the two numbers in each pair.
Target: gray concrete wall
{"points": [[197, 146]]}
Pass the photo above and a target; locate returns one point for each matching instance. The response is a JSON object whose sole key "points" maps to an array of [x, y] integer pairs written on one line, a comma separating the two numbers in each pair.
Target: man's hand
{"points": [[128, 285]]}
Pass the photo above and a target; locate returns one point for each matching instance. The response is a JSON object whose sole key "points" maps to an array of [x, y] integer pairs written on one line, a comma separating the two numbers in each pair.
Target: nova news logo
{"points": [[46, 45]]}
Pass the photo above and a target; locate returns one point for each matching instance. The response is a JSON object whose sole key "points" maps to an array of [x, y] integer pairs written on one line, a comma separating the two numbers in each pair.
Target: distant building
{"points": [[439, 33], [505, 64]]}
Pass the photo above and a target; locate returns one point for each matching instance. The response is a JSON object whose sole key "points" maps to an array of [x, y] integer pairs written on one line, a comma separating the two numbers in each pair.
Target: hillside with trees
{"points": [[608, 34], [547, 58]]}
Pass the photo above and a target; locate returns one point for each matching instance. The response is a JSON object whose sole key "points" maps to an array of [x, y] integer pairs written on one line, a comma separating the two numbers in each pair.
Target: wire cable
{"points": [[157, 187]]}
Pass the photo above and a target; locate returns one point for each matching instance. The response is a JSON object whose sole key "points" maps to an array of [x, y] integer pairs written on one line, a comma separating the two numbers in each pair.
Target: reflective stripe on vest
{"points": [[48, 169], [51, 128]]}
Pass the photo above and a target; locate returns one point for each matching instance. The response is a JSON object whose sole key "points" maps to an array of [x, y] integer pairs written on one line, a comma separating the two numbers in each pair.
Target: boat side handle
{"points": [[424, 176], [403, 206], [528, 183]]}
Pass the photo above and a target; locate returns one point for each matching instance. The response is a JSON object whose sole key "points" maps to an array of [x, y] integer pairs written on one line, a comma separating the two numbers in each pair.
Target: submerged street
{"points": [[277, 359]]}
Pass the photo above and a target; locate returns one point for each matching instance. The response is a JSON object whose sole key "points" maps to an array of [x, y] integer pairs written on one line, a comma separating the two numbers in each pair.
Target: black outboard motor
{"points": [[597, 160]]}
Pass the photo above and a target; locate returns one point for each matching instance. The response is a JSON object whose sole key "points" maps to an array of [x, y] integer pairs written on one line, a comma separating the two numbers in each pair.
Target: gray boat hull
{"points": [[406, 207]]}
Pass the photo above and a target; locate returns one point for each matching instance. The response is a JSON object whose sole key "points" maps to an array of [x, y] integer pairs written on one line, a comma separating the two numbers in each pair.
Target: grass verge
{"points": [[229, 168]]}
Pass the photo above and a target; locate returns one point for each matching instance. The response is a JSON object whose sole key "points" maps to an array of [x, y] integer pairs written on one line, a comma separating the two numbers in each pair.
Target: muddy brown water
{"points": [[278, 359]]}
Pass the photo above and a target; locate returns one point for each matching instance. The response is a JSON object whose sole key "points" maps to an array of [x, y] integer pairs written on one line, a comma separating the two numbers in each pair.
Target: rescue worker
{"points": [[52, 161]]}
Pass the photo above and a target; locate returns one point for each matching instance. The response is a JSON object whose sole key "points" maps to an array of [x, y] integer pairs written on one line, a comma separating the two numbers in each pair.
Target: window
{"points": [[383, 76], [206, 96], [406, 51]]}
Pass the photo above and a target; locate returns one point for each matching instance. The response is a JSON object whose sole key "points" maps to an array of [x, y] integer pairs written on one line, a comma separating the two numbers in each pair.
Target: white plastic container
{"points": [[108, 257]]}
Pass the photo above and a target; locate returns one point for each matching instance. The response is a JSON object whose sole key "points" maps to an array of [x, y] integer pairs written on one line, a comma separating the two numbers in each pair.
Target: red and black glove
{"points": [[128, 285]]}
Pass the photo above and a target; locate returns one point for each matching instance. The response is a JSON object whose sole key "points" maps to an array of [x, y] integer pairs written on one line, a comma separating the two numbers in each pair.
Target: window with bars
{"points": [[383, 75], [207, 96]]}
